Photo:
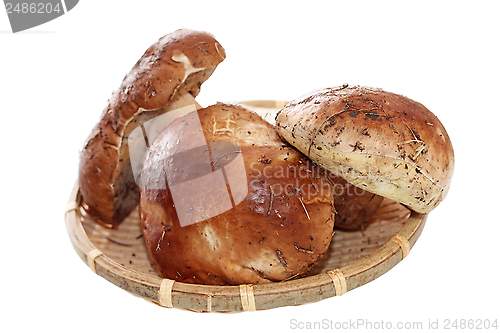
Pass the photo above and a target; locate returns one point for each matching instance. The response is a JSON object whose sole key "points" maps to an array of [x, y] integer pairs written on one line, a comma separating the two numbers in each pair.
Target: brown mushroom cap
{"points": [[167, 76], [385, 143], [276, 222], [354, 206]]}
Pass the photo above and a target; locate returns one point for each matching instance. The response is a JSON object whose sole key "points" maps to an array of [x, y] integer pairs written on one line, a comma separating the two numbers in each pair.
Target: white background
{"points": [[55, 80]]}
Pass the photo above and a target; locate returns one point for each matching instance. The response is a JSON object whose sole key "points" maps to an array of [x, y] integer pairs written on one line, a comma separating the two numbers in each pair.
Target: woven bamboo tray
{"points": [[353, 259]]}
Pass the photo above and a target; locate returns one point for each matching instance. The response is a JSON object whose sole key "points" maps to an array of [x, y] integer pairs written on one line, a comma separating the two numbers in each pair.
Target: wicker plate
{"points": [[353, 259]]}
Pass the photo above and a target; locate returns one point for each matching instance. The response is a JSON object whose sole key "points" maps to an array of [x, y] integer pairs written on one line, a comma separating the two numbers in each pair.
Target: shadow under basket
{"points": [[353, 259]]}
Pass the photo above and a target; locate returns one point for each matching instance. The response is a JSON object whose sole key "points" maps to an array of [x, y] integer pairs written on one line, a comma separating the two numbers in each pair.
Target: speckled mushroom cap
{"points": [[385, 143], [279, 225], [166, 77]]}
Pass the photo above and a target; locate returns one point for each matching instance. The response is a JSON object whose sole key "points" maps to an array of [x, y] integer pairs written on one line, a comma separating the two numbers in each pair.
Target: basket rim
{"points": [[264, 103], [209, 298]]}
